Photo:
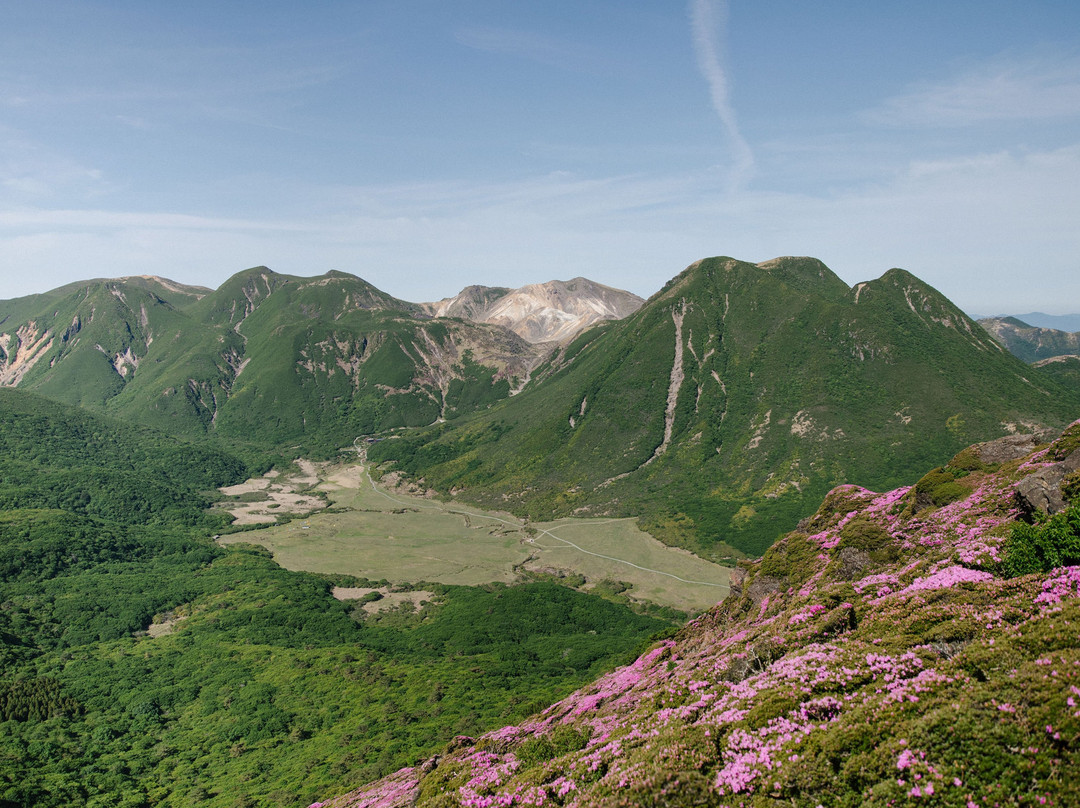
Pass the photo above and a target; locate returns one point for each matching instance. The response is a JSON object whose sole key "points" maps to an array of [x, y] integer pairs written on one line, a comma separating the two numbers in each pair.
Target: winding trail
{"points": [[546, 532]]}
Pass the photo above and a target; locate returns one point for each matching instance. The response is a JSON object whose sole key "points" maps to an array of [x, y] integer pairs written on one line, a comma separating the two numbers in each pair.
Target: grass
{"points": [[406, 539], [703, 583]]}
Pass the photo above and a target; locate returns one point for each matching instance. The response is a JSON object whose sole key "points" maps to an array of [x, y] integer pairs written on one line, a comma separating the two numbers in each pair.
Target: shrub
{"points": [[1049, 543], [543, 748], [1068, 443], [863, 534], [939, 487], [967, 460], [1070, 487], [790, 559]]}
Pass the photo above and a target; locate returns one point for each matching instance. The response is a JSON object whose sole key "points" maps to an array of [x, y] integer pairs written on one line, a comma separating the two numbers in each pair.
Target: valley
{"points": [[372, 532]]}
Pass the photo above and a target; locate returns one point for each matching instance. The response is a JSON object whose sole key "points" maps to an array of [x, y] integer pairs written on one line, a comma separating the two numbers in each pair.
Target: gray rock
{"points": [[1011, 447], [852, 563], [761, 587], [1041, 491]]}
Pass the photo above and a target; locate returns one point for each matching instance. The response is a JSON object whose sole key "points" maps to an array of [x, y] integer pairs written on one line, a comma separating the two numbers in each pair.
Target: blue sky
{"points": [[426, 145]]}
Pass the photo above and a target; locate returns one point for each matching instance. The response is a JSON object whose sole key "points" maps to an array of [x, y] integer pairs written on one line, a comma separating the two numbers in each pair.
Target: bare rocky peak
{"points": [[469, 304], [555, 311]]}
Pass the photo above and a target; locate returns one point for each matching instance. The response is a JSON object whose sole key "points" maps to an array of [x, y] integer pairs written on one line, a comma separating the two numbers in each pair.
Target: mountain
{"points": [[266, 358], [1057, 322], [555, 311], [469, 304], [1031, 343], [57, 457], [1064, 369], [900, 648], [734, 399]]}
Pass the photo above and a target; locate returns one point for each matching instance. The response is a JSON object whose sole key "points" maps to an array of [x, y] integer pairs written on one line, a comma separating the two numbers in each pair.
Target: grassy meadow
{"points": [[374, 533]]}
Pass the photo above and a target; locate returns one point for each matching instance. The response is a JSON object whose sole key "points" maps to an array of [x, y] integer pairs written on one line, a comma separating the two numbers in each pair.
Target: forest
{"points": [[145, 665]]}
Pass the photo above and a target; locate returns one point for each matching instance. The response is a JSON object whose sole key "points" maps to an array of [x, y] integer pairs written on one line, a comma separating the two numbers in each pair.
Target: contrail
{"points": [[707, 17]]}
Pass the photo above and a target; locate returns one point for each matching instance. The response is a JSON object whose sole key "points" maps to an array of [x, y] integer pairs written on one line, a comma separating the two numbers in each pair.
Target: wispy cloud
{"points": [[708, 20], [107, 220], [32, 171], [529, 45], [1000, 91]]}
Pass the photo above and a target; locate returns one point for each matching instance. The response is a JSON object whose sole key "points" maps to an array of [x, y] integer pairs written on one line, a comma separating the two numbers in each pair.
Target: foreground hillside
{"points": [[917, 647], [725, 408]]}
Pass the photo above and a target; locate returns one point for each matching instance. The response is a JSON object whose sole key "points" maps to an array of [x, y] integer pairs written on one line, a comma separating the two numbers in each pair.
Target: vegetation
{"points": [[144, 665], [791, 384], [267, 360], [1030, 343], [1051, 542], [926, 678]]}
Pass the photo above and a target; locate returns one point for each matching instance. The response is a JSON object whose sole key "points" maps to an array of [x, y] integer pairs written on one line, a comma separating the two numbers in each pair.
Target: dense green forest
{"points": [[267, 691]]}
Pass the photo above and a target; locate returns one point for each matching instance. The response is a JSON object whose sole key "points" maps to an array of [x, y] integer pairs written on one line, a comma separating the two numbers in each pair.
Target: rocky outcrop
{"points": [[1028, 342], [1011, 447], [20, 351], [1041, 490]]}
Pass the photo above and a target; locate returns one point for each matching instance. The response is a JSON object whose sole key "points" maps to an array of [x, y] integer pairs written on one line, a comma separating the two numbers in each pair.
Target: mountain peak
{"points": [[1029, 342], [748, 386], [555, 311]]}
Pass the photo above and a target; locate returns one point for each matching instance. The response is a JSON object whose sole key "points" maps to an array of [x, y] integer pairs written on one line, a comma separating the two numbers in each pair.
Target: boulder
{"points": [[853, 562], [1011, 447], [1041, 491]]}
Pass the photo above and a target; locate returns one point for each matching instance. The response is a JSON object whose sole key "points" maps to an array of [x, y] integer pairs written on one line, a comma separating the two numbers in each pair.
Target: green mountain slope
{"points": [[1064, 369], [58, 457], [734, 399], [267, 358]]}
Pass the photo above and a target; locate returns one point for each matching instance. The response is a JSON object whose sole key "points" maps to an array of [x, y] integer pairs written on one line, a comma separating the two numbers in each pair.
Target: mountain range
{"points": [[909, 647], [273, 359], [1057, 322], [1029, 342], [719, 411]]}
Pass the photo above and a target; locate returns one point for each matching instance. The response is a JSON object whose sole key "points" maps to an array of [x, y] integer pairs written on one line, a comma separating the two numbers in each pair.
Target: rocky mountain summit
{"points": [[556, 311], [917, 646]]}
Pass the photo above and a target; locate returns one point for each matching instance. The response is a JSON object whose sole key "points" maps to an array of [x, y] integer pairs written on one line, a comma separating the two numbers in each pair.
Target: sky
{"points": [[426, 145]]}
